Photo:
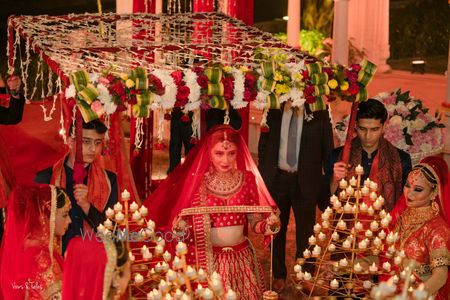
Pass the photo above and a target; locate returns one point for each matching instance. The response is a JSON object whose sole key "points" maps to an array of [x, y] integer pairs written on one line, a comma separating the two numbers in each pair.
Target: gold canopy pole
{"points": [[99, 6]]}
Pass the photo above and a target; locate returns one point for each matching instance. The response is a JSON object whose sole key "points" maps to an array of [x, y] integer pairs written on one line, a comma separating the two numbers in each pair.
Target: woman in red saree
{"points": [[96, 268], [31, 262], [213, 198], [422, 218]]}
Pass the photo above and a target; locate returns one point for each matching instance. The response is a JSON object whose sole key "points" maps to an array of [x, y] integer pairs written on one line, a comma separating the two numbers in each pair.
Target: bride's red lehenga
{"points": [[197, 194], [31, 264], [424, 231]]}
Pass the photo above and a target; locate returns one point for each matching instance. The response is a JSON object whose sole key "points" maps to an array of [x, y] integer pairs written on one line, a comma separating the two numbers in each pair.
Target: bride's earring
{"points": [[434, 206]]}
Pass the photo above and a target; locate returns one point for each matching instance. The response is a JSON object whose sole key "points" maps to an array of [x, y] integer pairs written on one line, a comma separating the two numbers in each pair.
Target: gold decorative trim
{"points": [[225, 209], [111, 256], [52, 221]]}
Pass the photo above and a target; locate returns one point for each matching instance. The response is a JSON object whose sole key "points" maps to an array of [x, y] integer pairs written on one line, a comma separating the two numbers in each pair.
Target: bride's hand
{"points": [[273, 224]]}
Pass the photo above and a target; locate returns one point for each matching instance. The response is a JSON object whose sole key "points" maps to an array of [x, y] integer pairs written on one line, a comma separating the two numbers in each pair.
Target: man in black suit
{"points": [[290, 161], [11, 111]]}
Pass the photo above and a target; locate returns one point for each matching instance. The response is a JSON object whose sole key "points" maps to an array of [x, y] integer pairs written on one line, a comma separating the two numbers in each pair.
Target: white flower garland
{"points": [[168, 99], [194, 91], [239, 88]]}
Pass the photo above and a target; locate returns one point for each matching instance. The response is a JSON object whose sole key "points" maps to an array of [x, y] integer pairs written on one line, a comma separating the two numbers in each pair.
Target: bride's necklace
{"points": [[224, 184]]}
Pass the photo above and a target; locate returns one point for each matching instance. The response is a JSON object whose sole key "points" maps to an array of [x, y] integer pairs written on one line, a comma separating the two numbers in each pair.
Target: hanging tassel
{"points": [[195, 125], [264, 127], [226, 118]]}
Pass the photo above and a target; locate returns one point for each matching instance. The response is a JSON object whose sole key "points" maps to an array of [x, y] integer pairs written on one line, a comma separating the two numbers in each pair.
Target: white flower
{"points": [[395, 120], [411, 105], [382, 96], [168, 99], [93, 77], [425, 147], [109, 107], [194, 91], [71, 91], [104, 95], [238, 91], [418, 124]]}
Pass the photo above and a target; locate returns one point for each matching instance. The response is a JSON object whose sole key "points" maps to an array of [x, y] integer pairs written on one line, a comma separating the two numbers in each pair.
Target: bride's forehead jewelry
{"points": [[226, 144], [429, 176]]}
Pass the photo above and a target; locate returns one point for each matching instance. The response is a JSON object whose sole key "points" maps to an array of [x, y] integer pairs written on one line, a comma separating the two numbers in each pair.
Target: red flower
{"points": [[177, 76], [247, 95], [136, 152], [250, 80], [228, 87], [132, 100], [353, 89], [193, 141], [355, 67], [167, 116], [110, 77], [202, 81], [352, 76], [309, 90], [118, 88], [198, 70], [329, 72], [156, 84], [305, 74], [182, 95], [185, 118], [310, 99], [264, 128]]}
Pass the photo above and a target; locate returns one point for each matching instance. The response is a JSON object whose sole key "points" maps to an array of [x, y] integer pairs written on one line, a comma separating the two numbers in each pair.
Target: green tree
{"points": [[318, 15]]}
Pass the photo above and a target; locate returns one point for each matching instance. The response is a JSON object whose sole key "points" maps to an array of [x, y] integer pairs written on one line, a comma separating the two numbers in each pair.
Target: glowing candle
{"points": [[359, 170], [312, 240], [334, 284], [353, 181], [125, 195], [373, 268], [138, 279], [109, 212], [317, 228], [134, 206], [343, 183], [143, 210]]}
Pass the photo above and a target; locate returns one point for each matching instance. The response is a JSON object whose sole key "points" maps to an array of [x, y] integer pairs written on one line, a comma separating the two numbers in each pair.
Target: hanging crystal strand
{"points": [[138, 137], [52, 110], [62, 131], [38, 77], [50, 83], [169, 7], [179, 6], [195, 124], [16, 42], [24, 67]]}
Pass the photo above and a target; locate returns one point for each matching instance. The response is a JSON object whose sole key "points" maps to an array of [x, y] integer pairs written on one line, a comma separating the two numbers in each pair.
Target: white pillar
{"points": [[124, 6], [368, 30], [293, 24], [158, 7], [339, 53]]}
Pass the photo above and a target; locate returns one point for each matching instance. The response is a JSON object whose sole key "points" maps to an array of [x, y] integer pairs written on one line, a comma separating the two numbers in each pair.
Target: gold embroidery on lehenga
{"points": [[411, 220]]}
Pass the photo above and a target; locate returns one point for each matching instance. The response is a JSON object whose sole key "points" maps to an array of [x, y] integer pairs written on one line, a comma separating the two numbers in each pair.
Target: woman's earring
{"points": [[434, 206]]}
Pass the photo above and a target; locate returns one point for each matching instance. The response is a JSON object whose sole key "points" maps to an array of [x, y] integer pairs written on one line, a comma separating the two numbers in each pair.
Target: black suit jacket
{"points": [[12, 114], [316, 145]]}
